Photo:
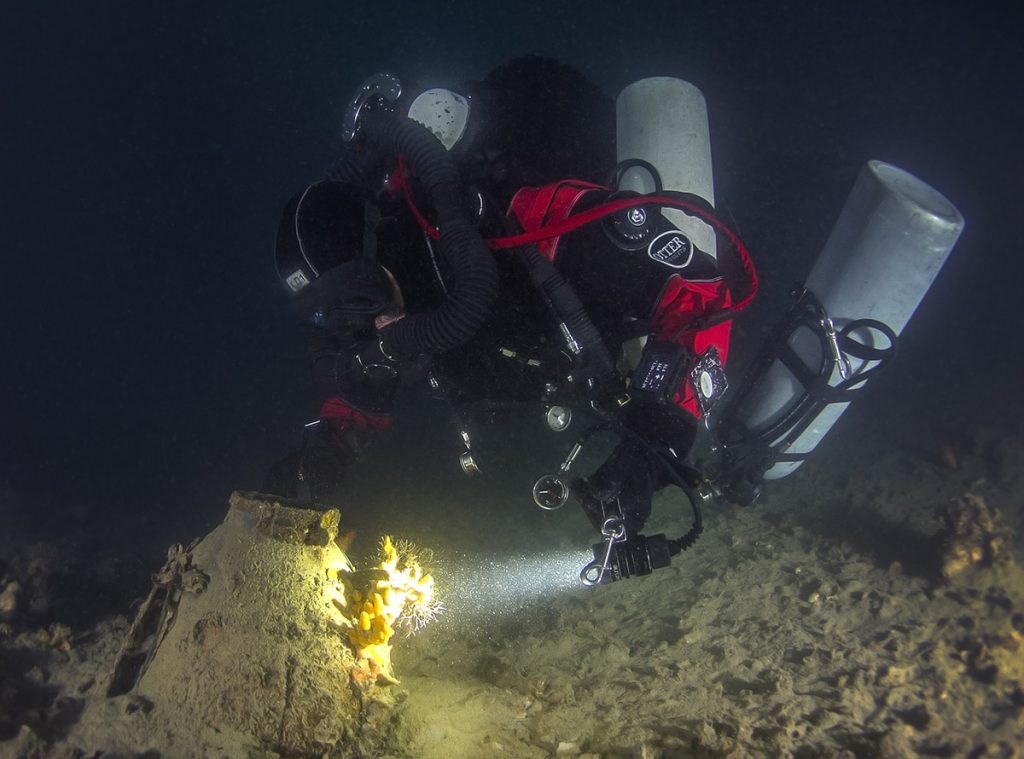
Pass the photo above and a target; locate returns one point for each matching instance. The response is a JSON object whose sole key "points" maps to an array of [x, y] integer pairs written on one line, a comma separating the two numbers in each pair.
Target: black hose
{"points": [[686, 540], [567, 307], [473, 277]]}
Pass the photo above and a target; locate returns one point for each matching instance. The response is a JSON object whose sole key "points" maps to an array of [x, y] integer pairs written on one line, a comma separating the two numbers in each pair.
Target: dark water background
{"points": [[150, 363]]}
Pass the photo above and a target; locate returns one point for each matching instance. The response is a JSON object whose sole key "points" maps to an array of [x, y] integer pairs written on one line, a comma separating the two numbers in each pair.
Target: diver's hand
{"points": [[621, 487], [597, 505], [339, 440]]}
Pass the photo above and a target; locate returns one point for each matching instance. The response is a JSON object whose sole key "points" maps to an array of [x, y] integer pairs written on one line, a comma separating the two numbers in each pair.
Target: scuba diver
{"points": [[472, 239], [484, 240]]}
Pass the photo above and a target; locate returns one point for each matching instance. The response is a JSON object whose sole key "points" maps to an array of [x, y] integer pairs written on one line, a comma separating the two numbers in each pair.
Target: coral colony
{"points": [[371, 602]]}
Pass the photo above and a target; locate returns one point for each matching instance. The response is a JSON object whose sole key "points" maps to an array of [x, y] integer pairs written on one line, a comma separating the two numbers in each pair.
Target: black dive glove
{"points": [[625, 484], [331, 446], [315, 470], [621, 487]]}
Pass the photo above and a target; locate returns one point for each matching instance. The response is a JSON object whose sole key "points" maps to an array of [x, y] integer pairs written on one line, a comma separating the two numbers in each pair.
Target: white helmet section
{"points": [[664, 121], [886, 248], [443, 112]]}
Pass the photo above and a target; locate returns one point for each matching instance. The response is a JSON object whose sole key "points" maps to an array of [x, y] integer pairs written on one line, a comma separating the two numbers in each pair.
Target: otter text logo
{"points": [[672, 249]]}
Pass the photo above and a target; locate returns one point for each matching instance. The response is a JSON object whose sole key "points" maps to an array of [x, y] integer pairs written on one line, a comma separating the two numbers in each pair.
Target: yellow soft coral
{"points": [[402, 590]]}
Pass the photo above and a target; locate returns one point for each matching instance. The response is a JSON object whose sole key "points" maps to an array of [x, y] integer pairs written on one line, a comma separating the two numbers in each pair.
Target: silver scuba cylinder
{"points": [[885, 250], [664, 121]]}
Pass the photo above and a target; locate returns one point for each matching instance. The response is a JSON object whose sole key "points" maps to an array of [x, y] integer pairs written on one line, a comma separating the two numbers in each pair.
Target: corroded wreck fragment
{"points": [[246, 632]]}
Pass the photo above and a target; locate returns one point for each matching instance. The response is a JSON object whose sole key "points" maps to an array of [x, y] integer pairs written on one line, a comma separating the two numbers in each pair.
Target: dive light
{"points": [[619, 557]]}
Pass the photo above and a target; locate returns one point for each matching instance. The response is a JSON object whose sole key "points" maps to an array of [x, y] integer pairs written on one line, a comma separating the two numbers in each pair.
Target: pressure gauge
{"points": [[558, 417], [550, 492]]}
